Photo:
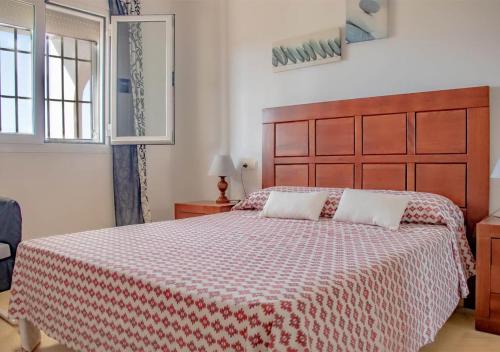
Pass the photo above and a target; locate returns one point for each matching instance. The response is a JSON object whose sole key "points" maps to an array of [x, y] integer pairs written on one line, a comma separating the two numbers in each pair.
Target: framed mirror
{"points": [[142, 79]]}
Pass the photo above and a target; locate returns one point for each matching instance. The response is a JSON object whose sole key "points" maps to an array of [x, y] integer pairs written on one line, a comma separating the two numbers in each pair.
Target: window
{"points": [[54, 69], [73, 84], [16, 114], [70, 75], [142, 79], [16, 89]]}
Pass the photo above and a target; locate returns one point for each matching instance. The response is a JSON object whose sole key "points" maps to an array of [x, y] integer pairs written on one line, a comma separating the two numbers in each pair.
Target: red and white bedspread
{"points": [[239, 282]]}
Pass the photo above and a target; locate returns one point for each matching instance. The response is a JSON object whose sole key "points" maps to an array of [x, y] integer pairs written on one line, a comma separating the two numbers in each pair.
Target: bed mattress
{"points": [[240, 282]]}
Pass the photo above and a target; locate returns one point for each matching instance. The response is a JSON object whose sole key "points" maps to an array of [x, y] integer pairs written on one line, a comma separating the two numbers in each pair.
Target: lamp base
{"points": [[222, 185], [222, 200]]}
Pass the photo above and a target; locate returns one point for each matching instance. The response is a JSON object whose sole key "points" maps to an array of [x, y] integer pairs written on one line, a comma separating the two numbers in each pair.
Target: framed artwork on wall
{"points": [[366, 20], [312, 49]]}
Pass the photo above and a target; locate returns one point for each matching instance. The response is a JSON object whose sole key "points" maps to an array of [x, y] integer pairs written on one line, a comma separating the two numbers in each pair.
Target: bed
{"points": [[240, 282]]}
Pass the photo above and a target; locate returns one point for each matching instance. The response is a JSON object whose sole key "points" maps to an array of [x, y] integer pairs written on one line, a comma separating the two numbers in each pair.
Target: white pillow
{"points": [[291, 205], [371, 208]]}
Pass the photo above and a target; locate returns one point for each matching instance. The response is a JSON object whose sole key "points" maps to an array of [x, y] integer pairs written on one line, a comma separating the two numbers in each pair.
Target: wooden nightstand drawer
{"points": [[495, 307], [185, 215], [495, 266], [194, 209], [488, 275]]}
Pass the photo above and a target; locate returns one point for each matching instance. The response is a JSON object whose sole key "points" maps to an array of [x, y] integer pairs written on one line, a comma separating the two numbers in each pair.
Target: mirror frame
{"points": [[169, 137]]}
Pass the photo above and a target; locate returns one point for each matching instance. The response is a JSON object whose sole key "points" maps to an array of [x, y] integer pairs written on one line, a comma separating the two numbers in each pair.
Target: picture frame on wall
{"points": [[316, 48], [366, 20]]}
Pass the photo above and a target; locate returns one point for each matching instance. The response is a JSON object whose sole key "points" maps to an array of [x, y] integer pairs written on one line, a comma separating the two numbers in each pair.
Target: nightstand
{"points": [[193, 209], [488, 275]]}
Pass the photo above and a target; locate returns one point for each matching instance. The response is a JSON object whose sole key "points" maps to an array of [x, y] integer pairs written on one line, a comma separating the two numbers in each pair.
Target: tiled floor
{"points": [[458, 335]]}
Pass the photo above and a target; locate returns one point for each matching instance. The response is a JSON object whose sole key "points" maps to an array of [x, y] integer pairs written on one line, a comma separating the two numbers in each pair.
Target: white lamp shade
{"points": [[496, 170], [222, 165]]}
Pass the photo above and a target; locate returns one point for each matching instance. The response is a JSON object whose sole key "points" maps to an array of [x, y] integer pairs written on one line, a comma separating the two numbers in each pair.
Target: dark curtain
{"points": [[127, 187], [10, 233], [117, 8], [126, 182]]}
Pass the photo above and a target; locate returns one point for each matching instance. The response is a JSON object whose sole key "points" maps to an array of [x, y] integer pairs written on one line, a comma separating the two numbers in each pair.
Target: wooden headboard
{"points": [[430, 142]]}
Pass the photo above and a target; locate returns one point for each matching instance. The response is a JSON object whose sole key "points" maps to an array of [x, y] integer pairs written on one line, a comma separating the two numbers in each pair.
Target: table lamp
{"points": [[222, 166], [496, 175]]}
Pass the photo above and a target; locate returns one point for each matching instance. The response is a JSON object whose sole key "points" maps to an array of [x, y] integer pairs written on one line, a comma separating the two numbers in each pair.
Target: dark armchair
{"points": [[10, 237]]}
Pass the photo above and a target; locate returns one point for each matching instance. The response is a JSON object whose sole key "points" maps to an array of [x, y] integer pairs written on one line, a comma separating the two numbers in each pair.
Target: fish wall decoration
{"points": [[307, 50]]}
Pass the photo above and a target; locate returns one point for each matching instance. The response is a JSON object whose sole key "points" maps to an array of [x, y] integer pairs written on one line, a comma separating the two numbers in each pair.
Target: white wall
{"points": [[59, 192], [432, 45]]}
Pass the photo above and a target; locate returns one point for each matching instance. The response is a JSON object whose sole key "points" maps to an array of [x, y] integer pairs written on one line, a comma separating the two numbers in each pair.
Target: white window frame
{"points": [[38, 105], [16, 96], [99, 107], [36, 142], [169, 137]]}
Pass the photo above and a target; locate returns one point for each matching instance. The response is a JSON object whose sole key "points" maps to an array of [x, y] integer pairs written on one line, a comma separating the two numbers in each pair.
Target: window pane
{"points": [[69, 47], [69, 79], [24, 80], [7, 73], [45, 63], [84, 80], [46, 119], [55, 118], [84, 50], [75, 37], [23, 40], [8, 115], [55, 79], [69, 121], [6, 37], [86, 118], [54, 45], [25, 117]]}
